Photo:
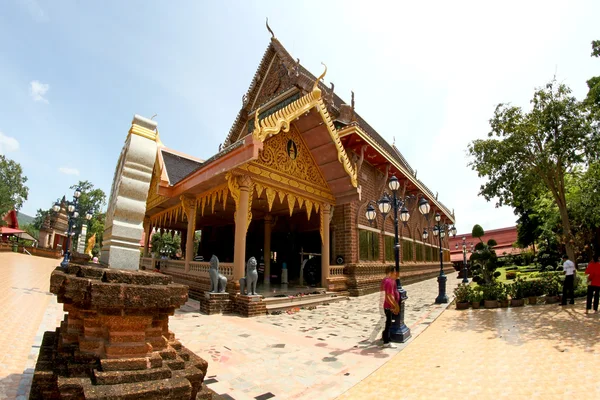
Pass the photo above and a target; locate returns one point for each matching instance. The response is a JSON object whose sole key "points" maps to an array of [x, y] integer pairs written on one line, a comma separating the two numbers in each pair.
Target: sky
{"points": [[426, 75]]}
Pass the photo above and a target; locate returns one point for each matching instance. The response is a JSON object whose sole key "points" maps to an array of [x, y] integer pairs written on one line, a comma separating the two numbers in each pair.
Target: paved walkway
{"points": [[534, 352], [28, 309], [316, 354]]}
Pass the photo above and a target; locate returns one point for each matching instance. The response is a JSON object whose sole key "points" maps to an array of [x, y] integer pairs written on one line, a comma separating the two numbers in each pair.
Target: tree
{"points": [[166, 241], [91, 200], [40, 217], [31, 230], [536, 147], [484, 260], [13, 191]]}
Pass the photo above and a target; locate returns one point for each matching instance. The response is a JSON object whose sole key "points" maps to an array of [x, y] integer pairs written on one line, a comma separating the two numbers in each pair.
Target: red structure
{"points": [[12, 227], [505, 237]]}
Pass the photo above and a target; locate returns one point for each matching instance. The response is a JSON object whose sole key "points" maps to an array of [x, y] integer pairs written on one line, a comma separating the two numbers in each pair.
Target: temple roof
{"points": [[178, 166]]}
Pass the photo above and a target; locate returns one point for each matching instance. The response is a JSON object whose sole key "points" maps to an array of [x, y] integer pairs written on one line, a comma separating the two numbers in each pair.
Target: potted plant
{"points": [[503, 295], [490, 295], [475, 297], [517, 293], [15, 246], [462, 293], [552, 287]]}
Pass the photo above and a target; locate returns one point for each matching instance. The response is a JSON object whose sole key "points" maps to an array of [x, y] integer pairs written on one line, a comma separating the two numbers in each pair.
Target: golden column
{"points": [[189, 208], [267, 247], [147, 230], [325, 217], [242, 216]]}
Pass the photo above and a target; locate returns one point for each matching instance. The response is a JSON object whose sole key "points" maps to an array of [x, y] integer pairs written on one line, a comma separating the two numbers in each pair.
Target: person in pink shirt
{"points": [[593, 275], [390, 303]]}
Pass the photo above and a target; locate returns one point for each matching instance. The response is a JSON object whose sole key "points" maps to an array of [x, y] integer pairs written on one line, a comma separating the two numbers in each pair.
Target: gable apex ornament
{"points": [[270, 30]]}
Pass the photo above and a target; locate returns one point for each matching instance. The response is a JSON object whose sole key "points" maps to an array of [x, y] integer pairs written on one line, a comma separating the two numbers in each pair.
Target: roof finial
{"points": [[316, 91], [269, 29], [332, 87], [394, 140], [153, 117], [352, 102]]}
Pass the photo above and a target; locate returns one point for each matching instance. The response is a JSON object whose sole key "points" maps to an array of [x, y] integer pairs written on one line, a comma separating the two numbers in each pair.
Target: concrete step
{"points": [[312, 300], [292, 299]]}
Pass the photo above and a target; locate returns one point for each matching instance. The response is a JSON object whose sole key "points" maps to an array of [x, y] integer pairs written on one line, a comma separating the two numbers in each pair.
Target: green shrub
{"points": [[551, 283], [511, 274], [476, 295], [516, 290], [463, 293], [494, 291], [512, 268], [533, 288]]}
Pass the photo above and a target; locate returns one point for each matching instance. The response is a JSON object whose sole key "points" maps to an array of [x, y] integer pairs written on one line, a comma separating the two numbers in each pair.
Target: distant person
{"points": [[593, 276], [568, 285], [390, 303]]}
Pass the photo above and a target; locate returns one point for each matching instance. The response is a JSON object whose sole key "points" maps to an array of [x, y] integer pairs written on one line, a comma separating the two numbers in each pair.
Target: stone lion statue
{"points": [[218, 282], [249, 281]]}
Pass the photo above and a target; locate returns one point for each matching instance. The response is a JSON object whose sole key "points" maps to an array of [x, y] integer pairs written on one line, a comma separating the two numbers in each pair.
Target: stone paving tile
{"points": [[545, 351], [326, 350], [26, 303]]}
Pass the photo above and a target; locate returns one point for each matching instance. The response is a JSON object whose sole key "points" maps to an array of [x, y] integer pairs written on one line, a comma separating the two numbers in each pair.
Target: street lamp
{"points": [[399, 332], [72, 215], [464, 249], [439, 229]]}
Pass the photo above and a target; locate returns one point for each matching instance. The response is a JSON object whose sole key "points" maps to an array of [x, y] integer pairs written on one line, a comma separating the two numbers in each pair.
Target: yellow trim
{"points": [[281, 120], [143, 132]]}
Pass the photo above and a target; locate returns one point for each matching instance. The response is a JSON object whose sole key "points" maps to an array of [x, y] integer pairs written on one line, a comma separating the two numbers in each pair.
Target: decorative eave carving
{"points": [[281, 119]]}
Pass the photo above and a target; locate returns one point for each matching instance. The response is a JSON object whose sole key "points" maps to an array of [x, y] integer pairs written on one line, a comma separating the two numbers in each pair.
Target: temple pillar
{"points": [[147, 233], [241, 227], [189, 208], [325, 219], [267, 248]]}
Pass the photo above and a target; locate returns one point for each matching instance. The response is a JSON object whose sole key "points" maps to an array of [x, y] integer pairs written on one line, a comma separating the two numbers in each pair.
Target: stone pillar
{"points": [[147, 234], [81, 239], [189, 208], [325, 214], [241, 228], [267, 248], [127, 204]]}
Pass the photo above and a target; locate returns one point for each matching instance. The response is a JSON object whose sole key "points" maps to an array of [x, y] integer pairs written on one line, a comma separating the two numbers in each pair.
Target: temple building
{"points": [[291, 183], [53, 233]]}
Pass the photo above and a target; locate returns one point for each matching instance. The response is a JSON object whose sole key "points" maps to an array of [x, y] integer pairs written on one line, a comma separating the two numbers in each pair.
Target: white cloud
{"points": [[8, 144], [69, 171], [34, 9], [38, 90]]}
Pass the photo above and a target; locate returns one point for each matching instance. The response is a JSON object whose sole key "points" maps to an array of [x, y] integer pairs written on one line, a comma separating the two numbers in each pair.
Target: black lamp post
{"points": [[439, 230], [464, 249], [72, 215], [399, 332]]}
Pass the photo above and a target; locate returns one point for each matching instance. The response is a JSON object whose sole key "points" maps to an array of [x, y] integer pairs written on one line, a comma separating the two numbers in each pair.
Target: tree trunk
{"points": [[566, 224]]}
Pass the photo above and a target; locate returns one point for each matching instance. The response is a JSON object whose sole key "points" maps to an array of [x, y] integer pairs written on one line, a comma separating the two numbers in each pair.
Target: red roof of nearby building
{"points": [[505, 237], [11, 219], [9, 231]]}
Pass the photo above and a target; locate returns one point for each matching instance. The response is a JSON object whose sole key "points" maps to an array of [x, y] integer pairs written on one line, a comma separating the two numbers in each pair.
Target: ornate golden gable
{"points": [[154, 199]]}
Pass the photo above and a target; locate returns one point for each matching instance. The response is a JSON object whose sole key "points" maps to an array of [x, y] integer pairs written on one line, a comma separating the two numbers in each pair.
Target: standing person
{"points": [[390, 303], [568, 285], [593, 275]]}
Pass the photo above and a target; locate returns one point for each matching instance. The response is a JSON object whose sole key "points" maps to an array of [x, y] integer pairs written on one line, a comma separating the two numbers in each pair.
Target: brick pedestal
{"points": [[216, 303], [115, 341], [250, 306]]}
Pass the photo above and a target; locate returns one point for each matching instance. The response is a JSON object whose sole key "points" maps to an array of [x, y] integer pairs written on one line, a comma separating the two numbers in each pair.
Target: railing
{"points": [[336, 270], [202, 267], [146, 262], [174, 264]]}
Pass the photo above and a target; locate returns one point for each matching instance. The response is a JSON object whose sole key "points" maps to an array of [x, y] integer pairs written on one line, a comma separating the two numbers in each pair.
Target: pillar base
{"points": [[250, 306], [399, 332], [115, 340], [216, 303], [442, 297]]}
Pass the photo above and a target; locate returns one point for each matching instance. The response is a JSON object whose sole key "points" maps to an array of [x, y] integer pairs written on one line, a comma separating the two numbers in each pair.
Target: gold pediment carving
{"points": [[154, 199]]}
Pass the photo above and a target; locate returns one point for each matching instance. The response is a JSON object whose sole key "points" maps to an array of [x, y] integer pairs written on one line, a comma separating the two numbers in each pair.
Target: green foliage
{"points": [[92, 200], [493, 291], [533, 288], [516, 290], [40, 217], [30, 229], [477, 231], [166, 241], [511, 274], [492, 243], [13, 191], [476, 295], [551, 283], [463, 293], [526, 150]]}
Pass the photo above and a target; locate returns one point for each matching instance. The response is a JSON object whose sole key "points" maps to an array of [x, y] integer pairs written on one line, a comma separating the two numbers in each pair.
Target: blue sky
{"points": [[429, 74]]}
